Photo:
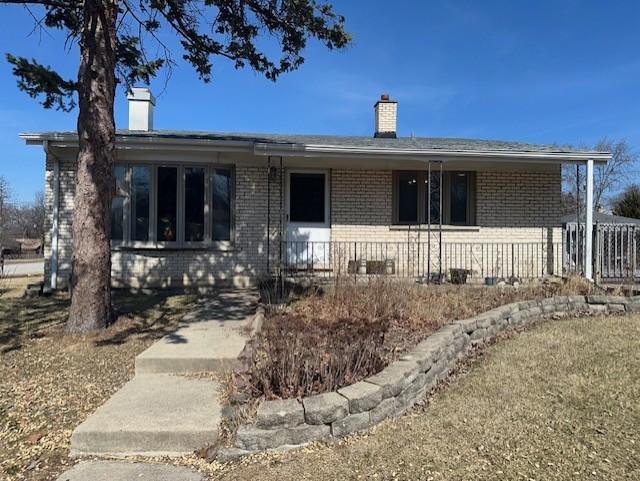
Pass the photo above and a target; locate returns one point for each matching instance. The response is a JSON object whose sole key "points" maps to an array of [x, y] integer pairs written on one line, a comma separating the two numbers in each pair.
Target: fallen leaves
{"points": [[34, 438], [53, 382]]}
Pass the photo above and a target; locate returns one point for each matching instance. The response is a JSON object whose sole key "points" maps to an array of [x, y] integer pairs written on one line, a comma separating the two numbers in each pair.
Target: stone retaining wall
{"points": [[289, 423]]}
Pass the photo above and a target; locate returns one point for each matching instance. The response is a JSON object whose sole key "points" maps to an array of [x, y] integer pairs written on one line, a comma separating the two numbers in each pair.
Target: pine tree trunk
{"points": [[95, 184]]}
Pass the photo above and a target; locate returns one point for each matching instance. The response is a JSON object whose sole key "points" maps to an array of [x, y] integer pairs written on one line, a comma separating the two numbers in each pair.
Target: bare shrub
{"points": [[296, 356], [328, 340], [4, 283]]}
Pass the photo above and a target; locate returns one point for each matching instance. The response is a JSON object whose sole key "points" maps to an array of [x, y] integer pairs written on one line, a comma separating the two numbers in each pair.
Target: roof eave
{"points": [[129, 142], [299, 150]]}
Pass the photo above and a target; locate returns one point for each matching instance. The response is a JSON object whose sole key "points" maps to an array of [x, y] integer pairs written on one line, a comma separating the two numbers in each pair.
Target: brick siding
{"points": [[510, 207]]}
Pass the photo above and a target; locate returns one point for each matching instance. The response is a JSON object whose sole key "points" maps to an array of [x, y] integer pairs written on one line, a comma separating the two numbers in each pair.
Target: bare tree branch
{"points": [[608, 179]]}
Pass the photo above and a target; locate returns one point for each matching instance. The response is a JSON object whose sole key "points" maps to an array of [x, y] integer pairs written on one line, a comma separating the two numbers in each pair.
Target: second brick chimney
{"points": [[386, 112]]}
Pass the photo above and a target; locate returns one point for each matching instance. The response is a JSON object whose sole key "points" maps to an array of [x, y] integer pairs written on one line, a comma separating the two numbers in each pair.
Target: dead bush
{"points": [[296, 356], [328, 340]]}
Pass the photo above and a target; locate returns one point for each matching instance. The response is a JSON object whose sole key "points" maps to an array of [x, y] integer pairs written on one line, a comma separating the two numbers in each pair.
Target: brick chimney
{"points": [[141, 104], [386, 115]]}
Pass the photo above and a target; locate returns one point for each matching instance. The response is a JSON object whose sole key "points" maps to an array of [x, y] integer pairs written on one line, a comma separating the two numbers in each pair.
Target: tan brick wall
{"points": [[511, 207], [518, 199]]}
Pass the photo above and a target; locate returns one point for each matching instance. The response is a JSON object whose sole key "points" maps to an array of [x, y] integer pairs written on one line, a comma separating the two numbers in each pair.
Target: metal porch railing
{"points": [[420, 260]]}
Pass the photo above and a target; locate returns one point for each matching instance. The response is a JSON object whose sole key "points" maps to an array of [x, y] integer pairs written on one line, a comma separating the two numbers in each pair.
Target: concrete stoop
{"points": [[157, 414]]}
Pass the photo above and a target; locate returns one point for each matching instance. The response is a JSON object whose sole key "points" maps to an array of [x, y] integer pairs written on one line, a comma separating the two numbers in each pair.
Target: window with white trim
{"points": [[173, 205]]}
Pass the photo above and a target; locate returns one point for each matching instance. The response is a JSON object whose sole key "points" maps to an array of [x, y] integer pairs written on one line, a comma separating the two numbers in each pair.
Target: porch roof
{"points": [[600, 218], [417, 148]]}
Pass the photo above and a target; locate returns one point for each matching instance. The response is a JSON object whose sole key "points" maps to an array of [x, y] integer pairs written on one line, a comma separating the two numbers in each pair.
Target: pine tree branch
{"points": [[47, 3]]}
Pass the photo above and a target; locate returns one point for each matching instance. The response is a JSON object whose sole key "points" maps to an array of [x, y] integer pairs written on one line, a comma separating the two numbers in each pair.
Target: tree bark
{"points": [[95, 183]]}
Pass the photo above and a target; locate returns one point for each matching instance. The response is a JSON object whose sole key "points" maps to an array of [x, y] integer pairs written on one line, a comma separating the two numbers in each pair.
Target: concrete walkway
{"points": [[161, 412], [127, 471]]}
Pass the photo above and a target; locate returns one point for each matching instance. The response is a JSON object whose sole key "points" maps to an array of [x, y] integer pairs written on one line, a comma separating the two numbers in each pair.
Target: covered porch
{"points": [[402, 214]]}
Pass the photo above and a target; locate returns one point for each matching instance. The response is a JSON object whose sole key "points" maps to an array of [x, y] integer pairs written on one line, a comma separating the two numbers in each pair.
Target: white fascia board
{"points": [[299, 150], [126, 142]]}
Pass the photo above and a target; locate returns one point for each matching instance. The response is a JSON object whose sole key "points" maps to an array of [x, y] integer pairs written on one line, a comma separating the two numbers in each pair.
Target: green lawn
{"points": [[561, 401]]}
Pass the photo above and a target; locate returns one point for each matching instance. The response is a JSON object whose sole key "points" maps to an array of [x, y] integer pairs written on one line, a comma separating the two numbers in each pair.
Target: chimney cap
{"points": [[141, 94], [385, 99]]}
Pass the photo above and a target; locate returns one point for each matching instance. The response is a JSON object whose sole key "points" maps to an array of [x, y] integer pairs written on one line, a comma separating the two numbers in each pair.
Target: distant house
{"points": [[30, 247], [210, 208], [22, 247], [600, 218]]}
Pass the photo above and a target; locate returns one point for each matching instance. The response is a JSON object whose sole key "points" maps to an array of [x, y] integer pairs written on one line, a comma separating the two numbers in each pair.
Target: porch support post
{"points": [[588, 257]]}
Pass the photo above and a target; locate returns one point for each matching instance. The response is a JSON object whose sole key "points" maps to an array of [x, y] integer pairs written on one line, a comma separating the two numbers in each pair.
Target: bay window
{"points": [[139, 200], [171, 205], [117, 208], [420, 198], [194, 204]]}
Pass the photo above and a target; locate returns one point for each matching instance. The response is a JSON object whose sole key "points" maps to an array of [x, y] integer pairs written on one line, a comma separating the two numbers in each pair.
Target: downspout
{"points": [[588, 228], [54, 225]]}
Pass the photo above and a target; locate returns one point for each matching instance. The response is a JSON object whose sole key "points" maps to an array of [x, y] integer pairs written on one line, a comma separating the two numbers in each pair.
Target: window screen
{"points": [[407, 196], [221, 186], [117, 208], [140, 184], [459, 199]]}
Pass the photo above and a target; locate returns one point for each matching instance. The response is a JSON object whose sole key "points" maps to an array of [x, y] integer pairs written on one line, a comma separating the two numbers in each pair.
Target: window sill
{"points": [[444, 228], [175, 248]]}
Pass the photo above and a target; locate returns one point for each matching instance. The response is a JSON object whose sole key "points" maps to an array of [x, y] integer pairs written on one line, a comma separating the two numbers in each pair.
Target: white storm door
{"points": [[308, 218]]}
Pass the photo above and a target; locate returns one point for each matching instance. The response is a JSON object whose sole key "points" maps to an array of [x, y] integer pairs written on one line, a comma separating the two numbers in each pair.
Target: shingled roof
{"points": [[400, 143]]}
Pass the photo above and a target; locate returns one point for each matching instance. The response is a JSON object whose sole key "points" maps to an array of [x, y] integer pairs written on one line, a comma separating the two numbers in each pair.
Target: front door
{"points": [[308, 219]]}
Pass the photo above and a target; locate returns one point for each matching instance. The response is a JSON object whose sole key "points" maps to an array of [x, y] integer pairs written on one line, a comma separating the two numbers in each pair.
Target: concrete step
{"points": [[152, 415], [203, 347], [128, 471]]}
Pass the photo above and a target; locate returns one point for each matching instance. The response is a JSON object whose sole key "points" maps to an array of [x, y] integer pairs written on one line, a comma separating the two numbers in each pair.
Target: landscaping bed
{"points": [[325, 341], [556, 402], [51, 382]]}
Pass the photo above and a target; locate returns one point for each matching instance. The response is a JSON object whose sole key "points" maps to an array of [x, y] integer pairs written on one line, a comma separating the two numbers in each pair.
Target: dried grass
{"points": [[52, 382]]}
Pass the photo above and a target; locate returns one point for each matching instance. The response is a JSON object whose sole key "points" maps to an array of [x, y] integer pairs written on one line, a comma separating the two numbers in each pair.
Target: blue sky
{"points": [[535, 71]]}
